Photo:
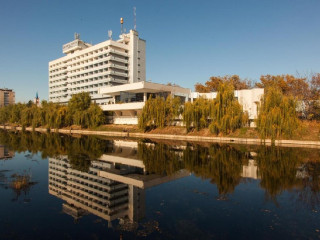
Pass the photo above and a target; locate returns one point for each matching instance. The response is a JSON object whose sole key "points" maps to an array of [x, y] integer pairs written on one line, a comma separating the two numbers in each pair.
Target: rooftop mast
{"points": [[121, 21], [135, 18]]}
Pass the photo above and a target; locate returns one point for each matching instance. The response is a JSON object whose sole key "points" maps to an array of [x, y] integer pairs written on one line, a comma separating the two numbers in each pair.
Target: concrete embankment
{"points": [[250, 141]]}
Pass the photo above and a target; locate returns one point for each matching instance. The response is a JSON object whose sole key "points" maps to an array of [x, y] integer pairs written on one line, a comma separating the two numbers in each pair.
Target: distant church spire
{"points": [[37, 100]]}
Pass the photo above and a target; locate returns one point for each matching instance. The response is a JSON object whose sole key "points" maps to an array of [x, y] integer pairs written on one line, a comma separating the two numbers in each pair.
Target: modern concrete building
{"points": [[7, 96], [128, 100], [86, 67], [114, 73], [248, 98]]}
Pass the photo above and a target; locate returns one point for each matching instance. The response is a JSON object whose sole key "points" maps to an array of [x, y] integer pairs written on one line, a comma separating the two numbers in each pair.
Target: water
{"points": [[94, 188]]}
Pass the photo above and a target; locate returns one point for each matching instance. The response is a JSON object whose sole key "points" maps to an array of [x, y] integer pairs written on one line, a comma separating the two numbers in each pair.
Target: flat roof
{"points": [[141, 87]]}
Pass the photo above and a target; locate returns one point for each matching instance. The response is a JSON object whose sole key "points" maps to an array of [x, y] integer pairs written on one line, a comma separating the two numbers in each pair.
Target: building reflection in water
{"points": [[5, 153], [114, 187], [250, 170]]}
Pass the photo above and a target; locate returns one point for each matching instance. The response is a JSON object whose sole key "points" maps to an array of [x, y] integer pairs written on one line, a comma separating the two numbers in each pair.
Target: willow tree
{"points": [[196, 114], [277, 115], [158, 112], [160, 158], [222, 164], [278, 169], [4, 115], [226, 112], [172, 109]]}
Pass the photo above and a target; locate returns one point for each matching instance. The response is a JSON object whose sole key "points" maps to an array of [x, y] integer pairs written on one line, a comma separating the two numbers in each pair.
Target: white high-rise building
{"points": [[86, 67]]}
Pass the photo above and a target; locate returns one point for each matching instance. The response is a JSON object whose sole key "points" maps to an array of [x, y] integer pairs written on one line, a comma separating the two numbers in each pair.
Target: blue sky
{"points": [[187, 41]]}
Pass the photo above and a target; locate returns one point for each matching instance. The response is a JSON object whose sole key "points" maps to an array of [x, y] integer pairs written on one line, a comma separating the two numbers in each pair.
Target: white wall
{"points": [[125, 120]]}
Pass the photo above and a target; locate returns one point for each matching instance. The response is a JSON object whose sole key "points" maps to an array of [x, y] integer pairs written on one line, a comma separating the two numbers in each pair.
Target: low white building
{"points": [[128, 100], [248, 98]]}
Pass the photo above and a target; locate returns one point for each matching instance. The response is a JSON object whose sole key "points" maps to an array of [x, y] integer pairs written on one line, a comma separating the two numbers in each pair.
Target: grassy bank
{"points": [[308, 131]]}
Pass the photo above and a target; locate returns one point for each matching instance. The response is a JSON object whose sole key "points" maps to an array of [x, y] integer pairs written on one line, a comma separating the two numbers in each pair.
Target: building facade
{"points": [[248, 98], [7, 96], [114, 73], [128, 100], [86, 67]]}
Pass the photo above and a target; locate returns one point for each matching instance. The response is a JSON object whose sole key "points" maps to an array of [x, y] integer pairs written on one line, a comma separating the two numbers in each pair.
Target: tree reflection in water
{"points": [[80, 150], [279, 169]]}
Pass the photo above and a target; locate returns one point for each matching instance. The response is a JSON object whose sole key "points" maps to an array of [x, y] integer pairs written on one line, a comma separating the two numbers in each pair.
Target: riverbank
{"points": [[177, 137]]}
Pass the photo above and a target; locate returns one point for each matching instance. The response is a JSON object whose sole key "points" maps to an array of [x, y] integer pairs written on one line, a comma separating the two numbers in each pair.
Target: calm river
{"points": [[60, 187]]}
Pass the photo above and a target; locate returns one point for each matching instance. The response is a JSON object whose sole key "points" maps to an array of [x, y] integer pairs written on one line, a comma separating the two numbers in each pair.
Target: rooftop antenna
{"points": [[121, 21], [110, 34], [76, 36], [135, 18]]}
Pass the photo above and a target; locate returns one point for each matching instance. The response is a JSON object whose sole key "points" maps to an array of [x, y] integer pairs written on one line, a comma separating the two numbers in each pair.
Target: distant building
{"points": [[86, 67], [7, 96]]}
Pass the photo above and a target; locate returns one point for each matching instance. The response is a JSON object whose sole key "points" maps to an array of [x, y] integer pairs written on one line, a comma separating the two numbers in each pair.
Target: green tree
{"points": [[226, 112], [79, 102], [277, 115], [158, 112], [196, 114]]}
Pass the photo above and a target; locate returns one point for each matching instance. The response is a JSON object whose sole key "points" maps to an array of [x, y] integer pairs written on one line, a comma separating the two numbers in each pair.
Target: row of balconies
{"points": [[96, 205], [88, 58], [58, 71], [59, 99], [104, 64], [84, 175], [58, 83], [96, 75], [88, 182], [81, 59], [74, 59], [58, 93], [64, 70], [61, 87], [90, 72], [88, 189], [85, 57], [58, 168], [57, 78], [57, 184]]}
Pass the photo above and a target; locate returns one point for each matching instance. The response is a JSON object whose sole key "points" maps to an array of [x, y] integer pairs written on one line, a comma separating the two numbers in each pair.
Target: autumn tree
{"points": [[213, 83], [297, 87]]}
